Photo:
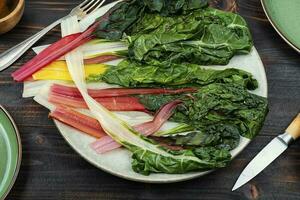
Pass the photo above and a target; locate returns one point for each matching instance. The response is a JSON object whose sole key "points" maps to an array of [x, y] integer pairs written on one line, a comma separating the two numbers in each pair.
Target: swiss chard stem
{"points": [[53, 52]]}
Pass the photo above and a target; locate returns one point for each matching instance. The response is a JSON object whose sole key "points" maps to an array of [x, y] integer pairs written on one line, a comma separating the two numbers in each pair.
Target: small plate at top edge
{"points": [[284, 16]]}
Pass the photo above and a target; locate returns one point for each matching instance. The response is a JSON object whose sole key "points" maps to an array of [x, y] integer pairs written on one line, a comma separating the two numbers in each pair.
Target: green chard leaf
{"points": [[177, 162], [204, 36], [119, 19], [133, 74], [160, 32], [171, 7], [217, 112], [223, 136]]}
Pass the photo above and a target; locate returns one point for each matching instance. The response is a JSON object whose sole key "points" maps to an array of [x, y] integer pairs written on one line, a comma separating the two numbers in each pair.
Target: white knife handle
{"points": [[294, 128]]}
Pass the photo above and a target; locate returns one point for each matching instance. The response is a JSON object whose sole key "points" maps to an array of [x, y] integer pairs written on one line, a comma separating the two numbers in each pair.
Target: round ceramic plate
{"points": [[285, 18], [118, 162], [10, 152]]}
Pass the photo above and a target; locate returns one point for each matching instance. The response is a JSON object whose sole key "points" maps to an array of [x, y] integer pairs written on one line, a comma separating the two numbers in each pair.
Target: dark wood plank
{"points": [[51, 169]]}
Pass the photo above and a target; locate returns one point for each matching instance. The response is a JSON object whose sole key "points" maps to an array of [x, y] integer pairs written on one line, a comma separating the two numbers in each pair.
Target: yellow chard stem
{"points": [[58, 70]]}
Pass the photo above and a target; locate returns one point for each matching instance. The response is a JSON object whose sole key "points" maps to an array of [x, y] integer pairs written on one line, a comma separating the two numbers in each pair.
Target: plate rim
{"points": [[18, 164], [192, 176], [277, 29]]}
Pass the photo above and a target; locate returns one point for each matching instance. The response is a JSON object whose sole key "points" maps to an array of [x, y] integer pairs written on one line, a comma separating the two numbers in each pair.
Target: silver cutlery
{"points": [[11, 55]]}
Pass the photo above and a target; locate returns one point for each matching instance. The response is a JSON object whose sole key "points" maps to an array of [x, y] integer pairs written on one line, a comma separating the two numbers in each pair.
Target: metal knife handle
{"points": [[294, 128]]}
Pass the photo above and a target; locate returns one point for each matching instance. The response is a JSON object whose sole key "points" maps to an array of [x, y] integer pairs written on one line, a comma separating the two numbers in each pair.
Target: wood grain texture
{"points": [[52, 170]]}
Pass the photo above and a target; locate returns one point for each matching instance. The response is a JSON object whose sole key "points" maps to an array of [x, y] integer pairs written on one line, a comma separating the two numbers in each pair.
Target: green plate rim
{"points": [[264, 6], [17, 169]]}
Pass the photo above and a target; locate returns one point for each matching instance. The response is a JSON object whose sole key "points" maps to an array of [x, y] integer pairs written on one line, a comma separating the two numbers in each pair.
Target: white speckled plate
{"points": [[118, 162]]}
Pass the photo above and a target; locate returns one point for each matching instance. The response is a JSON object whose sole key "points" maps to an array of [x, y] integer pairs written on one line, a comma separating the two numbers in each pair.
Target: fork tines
{"points": [[90, 5]]}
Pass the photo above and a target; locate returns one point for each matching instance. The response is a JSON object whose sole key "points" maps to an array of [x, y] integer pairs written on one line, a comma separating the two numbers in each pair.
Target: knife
{"points": [[269, 153]]}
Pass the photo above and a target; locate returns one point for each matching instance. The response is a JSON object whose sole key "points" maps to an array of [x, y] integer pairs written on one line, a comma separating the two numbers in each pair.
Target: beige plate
{"points": [[118, 162]]}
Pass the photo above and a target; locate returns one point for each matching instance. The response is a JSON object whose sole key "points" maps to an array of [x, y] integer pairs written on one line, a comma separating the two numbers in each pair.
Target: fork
{"points": [[11, 55]]}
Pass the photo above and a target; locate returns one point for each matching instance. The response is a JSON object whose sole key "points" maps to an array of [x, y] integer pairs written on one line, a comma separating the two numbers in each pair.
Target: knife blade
{"points": [[269, 153]]}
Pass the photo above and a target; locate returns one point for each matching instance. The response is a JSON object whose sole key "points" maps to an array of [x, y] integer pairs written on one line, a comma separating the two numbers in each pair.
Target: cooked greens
{"points": [[124, 14], [218, 109], [177, 162], [205, 36], [118, 19], [163, 32], [218, 113], [167, 42], [224, 136], [133, 74], [167, 7]]}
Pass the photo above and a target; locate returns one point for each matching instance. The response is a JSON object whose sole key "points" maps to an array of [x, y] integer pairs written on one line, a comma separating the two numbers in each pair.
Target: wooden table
{"points": [[52, 170]]}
